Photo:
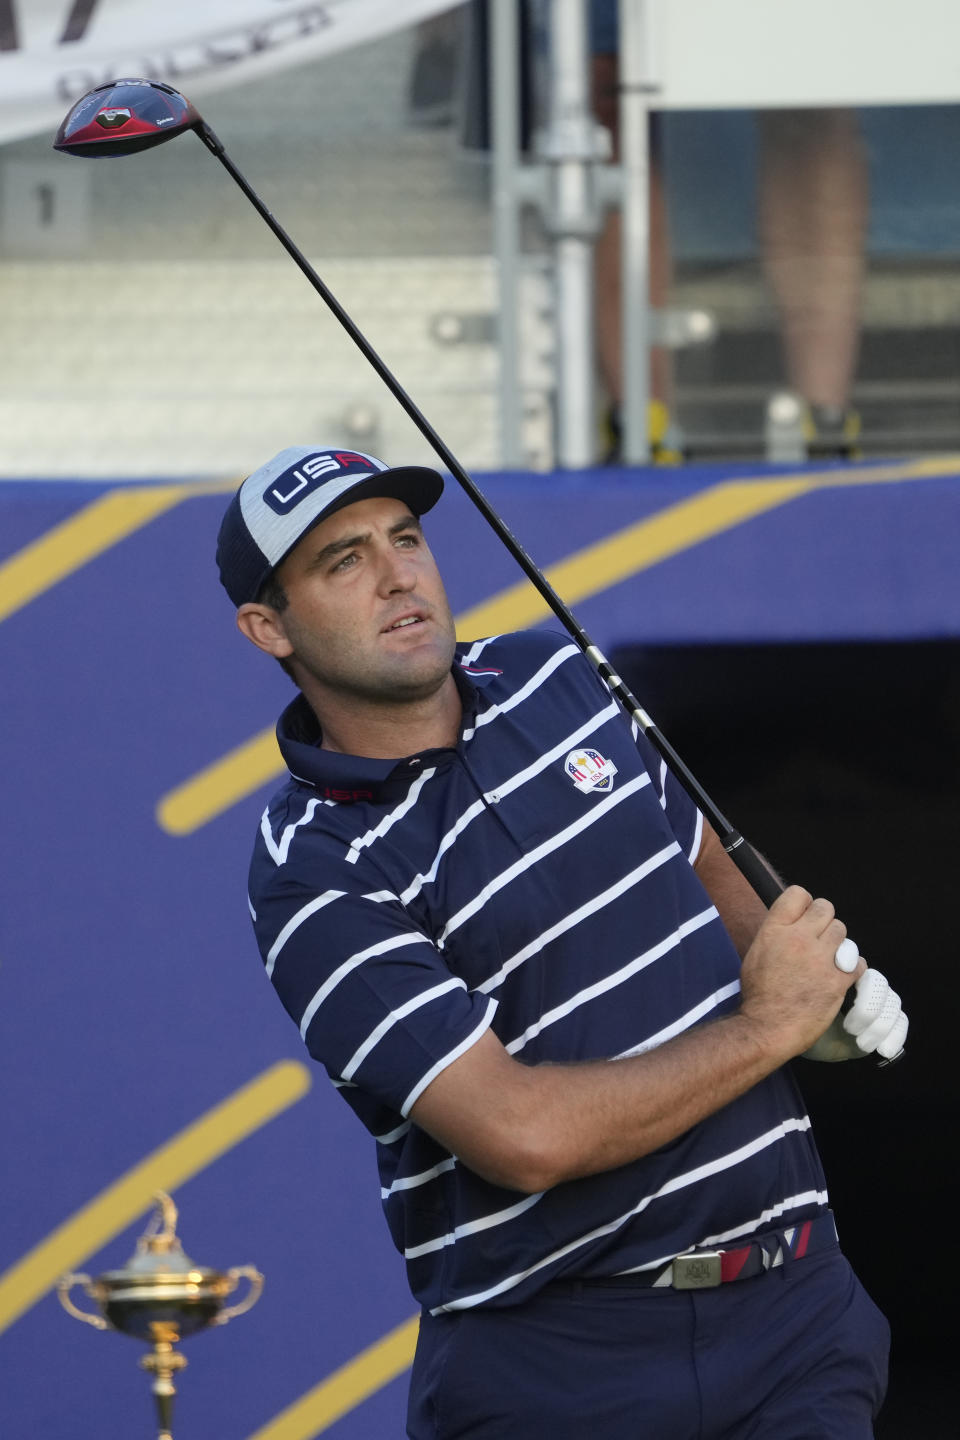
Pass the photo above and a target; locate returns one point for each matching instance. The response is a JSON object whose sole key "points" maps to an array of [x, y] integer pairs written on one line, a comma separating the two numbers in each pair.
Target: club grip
{"points": [[752, 868]]}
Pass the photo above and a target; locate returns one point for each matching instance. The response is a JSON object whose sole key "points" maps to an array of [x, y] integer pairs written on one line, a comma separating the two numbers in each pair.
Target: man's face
{"points": [[368, 617]]}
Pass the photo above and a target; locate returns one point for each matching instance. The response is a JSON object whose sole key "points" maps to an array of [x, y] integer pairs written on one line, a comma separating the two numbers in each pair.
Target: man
{"points": [[516, 948]]}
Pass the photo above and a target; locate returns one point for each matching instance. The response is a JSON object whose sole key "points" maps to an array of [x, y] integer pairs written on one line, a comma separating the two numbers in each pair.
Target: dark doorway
{"points": [[841, 763]]}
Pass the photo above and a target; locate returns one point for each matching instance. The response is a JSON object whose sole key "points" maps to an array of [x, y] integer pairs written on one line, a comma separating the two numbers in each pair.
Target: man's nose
{"points": [[398, 572]]}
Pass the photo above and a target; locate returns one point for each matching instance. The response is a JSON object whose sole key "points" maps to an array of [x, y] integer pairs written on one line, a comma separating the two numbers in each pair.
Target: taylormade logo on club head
{"points": [[294, 485]]}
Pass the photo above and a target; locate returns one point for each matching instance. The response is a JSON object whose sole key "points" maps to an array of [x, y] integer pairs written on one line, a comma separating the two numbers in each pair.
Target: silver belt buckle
{"points": [[697, 1272]]}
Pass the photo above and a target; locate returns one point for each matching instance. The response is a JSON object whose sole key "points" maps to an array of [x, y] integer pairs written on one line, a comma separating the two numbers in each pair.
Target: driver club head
{"points": [[123, 117]]}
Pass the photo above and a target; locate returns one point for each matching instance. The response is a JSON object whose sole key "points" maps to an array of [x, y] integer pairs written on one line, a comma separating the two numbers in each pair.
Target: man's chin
{"points": [[388, 679], [413, 679]]}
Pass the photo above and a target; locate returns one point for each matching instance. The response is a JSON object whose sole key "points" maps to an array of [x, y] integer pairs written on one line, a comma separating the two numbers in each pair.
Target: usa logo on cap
{"points": [[301, 480]]}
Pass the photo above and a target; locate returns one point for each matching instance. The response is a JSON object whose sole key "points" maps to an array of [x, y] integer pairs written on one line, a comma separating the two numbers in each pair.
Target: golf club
{"points": [[129, 115]]}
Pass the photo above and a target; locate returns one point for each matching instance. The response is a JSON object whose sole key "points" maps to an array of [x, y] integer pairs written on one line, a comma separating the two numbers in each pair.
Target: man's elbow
{"points": [[502, 1119], [520, 1157]]}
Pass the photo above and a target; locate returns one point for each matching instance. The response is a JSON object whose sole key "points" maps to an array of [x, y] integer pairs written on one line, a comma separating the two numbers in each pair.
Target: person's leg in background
{"points": [[608, 287], [812, 218]]}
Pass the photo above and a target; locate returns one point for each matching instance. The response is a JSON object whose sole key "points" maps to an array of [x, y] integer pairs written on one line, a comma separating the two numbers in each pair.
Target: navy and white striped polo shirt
{"points": [[535, 879]]}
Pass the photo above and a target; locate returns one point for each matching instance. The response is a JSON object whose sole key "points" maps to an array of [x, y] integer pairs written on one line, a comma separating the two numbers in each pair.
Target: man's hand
{"points": [[791, 986], [875, 1023]]}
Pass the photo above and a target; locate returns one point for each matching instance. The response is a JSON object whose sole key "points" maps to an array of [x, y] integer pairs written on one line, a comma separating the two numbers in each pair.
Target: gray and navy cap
{"points": [[276, 506]]}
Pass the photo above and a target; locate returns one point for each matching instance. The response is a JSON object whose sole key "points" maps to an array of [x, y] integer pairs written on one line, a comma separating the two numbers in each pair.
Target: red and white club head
{"points": [[123, 117]]}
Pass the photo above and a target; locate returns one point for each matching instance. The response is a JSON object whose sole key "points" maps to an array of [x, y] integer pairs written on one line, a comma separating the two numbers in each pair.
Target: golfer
{"points": [[529, 967]]}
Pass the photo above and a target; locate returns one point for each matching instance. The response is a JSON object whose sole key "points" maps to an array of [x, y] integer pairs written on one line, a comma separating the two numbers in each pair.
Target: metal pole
{"points": [[504, 93], [636, 86], [570, 147]]}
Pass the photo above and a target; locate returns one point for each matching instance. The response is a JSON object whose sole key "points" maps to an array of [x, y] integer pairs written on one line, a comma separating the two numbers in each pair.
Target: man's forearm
{"points": [[741, 909], [543, 1124], [601, 1115], [531, 1127]]}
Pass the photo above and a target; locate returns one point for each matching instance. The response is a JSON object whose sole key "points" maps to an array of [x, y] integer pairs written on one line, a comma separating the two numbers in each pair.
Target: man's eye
{"points": [[344, 563]]}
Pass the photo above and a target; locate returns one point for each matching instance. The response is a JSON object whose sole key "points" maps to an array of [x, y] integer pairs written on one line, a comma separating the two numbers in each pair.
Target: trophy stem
{"points": [[161, 1297], [163, 1362]]}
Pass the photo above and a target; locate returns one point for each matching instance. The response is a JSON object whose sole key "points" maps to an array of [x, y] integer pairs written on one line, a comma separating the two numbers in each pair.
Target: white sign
{"points": [[54, 51], [767, 54]]}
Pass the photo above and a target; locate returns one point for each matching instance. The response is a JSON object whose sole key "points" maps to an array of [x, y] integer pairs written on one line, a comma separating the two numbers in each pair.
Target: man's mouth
{"points": [[404, 621]]}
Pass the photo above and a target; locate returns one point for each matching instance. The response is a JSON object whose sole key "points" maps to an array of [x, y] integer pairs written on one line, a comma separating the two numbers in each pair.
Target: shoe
{"points": [[611, 436], [666, 441], [831, 433]]}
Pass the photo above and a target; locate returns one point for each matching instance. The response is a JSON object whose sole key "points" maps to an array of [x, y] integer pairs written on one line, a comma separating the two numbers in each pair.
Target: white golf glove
{"points": [[875, 1022]]}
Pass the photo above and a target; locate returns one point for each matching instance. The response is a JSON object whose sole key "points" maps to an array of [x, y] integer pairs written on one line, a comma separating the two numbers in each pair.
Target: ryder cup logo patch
{"points": [[589, 770]]}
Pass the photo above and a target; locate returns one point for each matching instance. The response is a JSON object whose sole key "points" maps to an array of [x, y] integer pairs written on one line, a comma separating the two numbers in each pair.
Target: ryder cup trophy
{"points": [[161, 1297]]}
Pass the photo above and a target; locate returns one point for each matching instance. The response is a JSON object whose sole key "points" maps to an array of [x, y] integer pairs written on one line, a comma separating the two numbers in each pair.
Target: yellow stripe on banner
{"points": [[81, 538], [212, 1135], [640, 546], [629, 551], [710, 512], [346, 1388], [220, 785]]}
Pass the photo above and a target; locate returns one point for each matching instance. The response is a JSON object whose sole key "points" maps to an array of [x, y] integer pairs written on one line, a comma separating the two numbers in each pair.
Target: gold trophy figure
{"points": [[161, 1297]]}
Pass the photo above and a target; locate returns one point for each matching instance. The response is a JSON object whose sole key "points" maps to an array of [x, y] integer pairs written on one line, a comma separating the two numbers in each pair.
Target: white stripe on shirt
{"points": [[452, 835], [383, 948], [684, 1022], [376, 897], [514, 782], [280, 852], [388, 1022], [598, 812], [739, 1232], [477, 649], [663, 783], [388, 821], [610, 982], [448, 1059], [473, 1227], [567, 743], [583, 912], [411, 1182], [715, 1167], [773, 1212], [697, 839], [393, 1135], [525, 691], [293, 924]]}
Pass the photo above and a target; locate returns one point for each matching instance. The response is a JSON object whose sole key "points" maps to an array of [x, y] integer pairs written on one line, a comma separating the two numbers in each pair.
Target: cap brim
{"points": [[415, 485]]}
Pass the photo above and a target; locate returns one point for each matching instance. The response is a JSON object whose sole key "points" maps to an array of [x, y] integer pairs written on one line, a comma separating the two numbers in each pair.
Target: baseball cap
{"points": [[276, 506]]}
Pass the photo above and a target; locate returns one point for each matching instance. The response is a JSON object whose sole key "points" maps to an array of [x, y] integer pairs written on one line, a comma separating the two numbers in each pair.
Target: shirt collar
{"points": [[347, 778]]}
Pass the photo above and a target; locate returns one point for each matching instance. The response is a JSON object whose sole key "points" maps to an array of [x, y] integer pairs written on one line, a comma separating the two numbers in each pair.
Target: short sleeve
{"points": [[373, 999]]}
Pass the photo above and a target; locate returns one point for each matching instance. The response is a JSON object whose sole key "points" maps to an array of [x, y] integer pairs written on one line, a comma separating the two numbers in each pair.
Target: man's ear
{"points": [[263, 627]]}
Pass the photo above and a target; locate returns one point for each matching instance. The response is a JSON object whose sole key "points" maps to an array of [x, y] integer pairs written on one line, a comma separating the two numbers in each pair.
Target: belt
{"points": [[704, 1269]]}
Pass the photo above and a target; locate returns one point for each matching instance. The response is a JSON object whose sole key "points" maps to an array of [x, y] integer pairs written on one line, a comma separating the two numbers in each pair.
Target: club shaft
{"points": [[751, 866]]}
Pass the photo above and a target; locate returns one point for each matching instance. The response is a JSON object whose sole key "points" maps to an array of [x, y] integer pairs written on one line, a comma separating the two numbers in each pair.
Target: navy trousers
{"points": [[799, 1353]]}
